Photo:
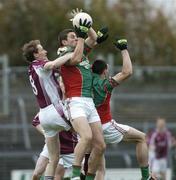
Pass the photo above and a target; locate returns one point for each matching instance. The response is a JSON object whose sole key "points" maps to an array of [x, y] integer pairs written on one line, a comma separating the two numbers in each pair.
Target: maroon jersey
{"points": [[45, 85], [161, 142], [68, 139]]}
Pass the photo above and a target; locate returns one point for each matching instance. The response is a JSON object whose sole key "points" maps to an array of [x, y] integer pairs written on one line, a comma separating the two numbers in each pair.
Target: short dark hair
{"points": [[63, 35], [99, 66], [29, 49]]}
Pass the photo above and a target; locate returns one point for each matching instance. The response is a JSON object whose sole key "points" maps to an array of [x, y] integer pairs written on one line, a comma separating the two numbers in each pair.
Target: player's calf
{"points": [[98, 148]]}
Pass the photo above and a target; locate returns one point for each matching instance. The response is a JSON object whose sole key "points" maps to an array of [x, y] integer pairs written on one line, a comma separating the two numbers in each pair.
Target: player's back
{"points": [[102, 89]]}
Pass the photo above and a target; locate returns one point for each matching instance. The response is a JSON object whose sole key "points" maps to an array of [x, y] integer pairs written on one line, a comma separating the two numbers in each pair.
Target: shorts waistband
{"points": [[106, 125], [58, 108], [78, 98], [46, 107]]}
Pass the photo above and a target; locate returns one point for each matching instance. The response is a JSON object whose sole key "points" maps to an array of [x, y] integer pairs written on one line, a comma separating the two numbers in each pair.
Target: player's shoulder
{"points": [[97, 79], [154, 134], [99, 82], [39, 63], [113, 82], [64, 50]]}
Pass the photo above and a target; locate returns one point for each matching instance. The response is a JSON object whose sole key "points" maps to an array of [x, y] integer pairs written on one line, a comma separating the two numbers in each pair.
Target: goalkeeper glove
{"points": [[121, 44], [102, 35], [83, 28]]}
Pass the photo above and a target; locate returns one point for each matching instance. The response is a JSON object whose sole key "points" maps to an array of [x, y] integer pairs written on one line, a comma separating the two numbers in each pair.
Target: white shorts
{"points": [[159, 165], [151, 158], [82, 107], [51, 121], [114, 132], [65, 160]]}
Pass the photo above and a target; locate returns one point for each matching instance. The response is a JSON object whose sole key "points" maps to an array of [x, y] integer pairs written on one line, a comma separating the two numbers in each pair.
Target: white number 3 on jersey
{"points": [[33, 85]]}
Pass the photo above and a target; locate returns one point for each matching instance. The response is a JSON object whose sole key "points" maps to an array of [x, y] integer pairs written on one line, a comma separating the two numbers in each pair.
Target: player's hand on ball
{"points": [[120, 43], [74, 12], [102, 35], [83, 28]]}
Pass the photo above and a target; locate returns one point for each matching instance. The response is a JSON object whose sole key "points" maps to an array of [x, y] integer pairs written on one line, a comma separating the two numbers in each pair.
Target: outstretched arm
{"points": [[92, 35], [98, 37], [58, 62], [127, 65], [69, 58]]}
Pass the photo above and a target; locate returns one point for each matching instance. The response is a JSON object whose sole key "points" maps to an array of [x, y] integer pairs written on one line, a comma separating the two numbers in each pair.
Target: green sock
{"points": [[90, 176], [76, 171], [145, 172]]}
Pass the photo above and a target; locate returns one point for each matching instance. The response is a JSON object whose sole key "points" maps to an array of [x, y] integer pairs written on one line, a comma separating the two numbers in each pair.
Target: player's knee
{"points": [[142, 137], [36, 175], [87, 138], [103, 146], [101, 168], [54, 160], [100, 147]]}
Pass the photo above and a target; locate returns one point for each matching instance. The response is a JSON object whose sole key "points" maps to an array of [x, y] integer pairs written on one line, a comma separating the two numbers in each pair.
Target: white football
{"points": [[82, 16]]}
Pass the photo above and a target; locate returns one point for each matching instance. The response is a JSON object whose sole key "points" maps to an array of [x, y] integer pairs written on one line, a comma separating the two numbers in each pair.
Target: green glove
{"points": [[120, 44], [102, 35], [83, 28]]}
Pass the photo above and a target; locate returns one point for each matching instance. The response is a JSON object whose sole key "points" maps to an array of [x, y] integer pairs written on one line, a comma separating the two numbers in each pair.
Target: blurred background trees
{"points": [[152, 39]]}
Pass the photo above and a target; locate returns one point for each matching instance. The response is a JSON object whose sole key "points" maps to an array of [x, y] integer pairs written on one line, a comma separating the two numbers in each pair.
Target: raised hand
{"points": [[83, 28], [120, 43], [102, 35], [74, 12]]}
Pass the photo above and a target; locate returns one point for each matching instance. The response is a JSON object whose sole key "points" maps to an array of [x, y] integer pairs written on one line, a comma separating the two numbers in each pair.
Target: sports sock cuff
{"points": [[48, 178], [76, 167], [145, 172], [90, 176], [76, 171]]}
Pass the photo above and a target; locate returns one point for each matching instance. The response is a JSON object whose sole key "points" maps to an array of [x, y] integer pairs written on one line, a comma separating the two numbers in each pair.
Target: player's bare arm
{"points": [[58, 62], [98, 37], [91, 41], [92, 35], [78, 53], [81, 33], [127, 65]]}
